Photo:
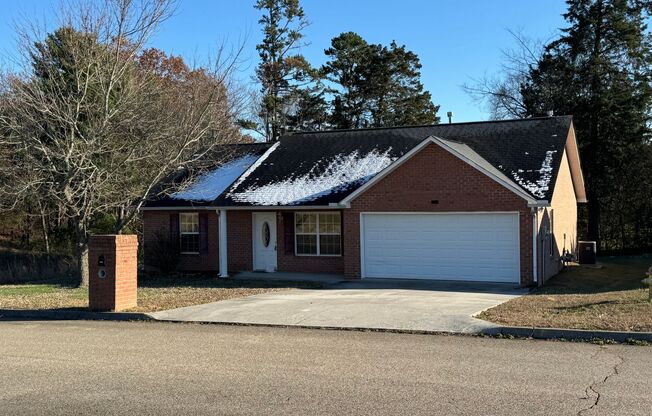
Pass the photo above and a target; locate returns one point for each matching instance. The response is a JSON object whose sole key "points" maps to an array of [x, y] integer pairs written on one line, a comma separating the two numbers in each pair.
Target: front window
{"points": [[318, 234], [189, 232]]}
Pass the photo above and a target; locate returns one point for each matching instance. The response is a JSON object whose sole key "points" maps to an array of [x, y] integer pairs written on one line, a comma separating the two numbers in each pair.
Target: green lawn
{"points": [[608, 298]]}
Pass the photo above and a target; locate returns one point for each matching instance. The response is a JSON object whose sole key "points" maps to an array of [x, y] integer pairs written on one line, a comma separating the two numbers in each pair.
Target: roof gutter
{"points": [[542, 203], [180, 208], [248, 207]]}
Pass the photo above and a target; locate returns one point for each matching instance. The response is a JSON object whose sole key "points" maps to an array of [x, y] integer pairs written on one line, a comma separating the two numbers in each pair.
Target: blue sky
{"points": [[456, 40]]}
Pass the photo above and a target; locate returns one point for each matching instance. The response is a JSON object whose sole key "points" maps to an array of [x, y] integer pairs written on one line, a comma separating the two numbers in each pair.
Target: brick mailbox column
{"points": [[113, 269]]}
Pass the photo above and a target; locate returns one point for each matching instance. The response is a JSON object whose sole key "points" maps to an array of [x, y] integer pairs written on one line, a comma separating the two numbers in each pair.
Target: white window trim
{"points": [[193, 214], [316, 233]]}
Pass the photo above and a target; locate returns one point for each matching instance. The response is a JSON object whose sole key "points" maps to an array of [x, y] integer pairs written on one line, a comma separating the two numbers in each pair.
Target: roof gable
{"points": [[457, 149]]}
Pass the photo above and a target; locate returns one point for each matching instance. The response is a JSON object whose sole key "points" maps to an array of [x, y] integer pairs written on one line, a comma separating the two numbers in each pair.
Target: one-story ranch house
{"points": [[488, 201]]}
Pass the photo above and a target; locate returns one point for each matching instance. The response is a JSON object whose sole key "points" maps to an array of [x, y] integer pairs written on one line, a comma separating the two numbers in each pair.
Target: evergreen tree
{"points": [[376, 85], [600, 71], [280, 72], [309, 110], [396, 90], [347, 69]]}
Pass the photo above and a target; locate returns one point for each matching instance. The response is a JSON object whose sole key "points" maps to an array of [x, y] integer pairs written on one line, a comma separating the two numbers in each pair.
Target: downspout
{"points": [[222, 244], [535, 237]]}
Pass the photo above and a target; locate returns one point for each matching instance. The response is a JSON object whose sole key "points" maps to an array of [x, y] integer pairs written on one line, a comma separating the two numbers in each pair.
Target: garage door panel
{"points": [[479, 247]]}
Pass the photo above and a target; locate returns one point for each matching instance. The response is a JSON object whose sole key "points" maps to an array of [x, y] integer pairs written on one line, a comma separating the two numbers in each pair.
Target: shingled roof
{"points": [[319, 168]]}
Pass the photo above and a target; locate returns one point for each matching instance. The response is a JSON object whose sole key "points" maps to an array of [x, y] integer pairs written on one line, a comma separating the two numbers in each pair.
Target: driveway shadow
{"points": [[432, 285]]}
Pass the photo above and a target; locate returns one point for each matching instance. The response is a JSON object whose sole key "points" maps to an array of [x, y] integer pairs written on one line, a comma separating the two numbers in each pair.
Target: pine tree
{"points": [[280, 72], [600, 71], [376, 85]]}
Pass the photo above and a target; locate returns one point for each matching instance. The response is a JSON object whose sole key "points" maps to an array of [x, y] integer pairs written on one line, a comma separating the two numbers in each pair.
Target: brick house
{"points": [[484, 201]]}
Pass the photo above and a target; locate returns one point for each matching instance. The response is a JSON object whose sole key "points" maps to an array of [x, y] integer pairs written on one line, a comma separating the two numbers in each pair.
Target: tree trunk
{"points": [[81, 247], [44, 228], [82, 265], [594, 220], [594, 133]]}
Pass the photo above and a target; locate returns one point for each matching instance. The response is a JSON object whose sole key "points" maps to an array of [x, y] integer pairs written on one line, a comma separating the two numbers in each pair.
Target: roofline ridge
{"points": [[511, 120]]}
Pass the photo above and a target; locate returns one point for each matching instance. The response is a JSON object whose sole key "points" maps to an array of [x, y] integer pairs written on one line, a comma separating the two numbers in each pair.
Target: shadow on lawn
{"points": [[621, 273], [210, 281], [576, 308]]}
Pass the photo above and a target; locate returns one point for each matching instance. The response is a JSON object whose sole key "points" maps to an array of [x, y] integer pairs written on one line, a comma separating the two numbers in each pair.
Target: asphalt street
{"points": [[165, 368]]}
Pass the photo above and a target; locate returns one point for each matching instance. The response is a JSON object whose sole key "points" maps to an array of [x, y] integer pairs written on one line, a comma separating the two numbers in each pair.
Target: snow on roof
{"points": [[254, 166], [539, 187], [211, 184], [343, 171]]}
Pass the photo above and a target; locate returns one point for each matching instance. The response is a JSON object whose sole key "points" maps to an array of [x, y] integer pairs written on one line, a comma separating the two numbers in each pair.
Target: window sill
{"points": [[191, 253], [318, 255]]}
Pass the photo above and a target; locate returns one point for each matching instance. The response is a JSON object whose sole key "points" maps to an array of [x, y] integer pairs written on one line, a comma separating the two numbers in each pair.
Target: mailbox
{"points": [[101, 269], [112, 261]]}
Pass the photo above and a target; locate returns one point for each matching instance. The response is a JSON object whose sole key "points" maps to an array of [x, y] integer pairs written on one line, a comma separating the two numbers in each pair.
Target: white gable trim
{"points": [[462, 152], [573, 156]]}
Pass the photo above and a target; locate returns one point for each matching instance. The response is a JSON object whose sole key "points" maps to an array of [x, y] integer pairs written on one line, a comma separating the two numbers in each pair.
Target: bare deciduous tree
{"points": [[86, 128], [501, 94]]}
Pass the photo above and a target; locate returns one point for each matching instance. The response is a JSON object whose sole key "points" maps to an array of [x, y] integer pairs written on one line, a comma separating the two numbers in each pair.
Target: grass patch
{"points": [[160, 293], [610, 298], [154, 293]]}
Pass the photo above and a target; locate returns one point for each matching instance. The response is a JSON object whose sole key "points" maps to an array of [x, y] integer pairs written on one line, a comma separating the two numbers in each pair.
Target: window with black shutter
{"points": [[189, 232]]}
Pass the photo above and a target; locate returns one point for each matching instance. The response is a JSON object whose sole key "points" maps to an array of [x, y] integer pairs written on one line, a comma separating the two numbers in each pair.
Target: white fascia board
{"points": [[539, 204], [461, 151], [247, 208], [276, 207], [180, 208]]}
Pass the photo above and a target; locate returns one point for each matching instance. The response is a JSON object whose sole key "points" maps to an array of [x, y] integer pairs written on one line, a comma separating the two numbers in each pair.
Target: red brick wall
{"points": [[240, 250], [431, 174], [238, 229], [240, 255], [307, 264], [157, 223], [118, 290], [434, 173]]}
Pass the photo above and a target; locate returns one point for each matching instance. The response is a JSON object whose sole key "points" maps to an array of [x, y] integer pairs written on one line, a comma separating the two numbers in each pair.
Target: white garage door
{"points": [[473, 247]]}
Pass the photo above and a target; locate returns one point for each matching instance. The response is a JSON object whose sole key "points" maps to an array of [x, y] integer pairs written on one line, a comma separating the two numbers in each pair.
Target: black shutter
{"points": [[174, 229], [341, 233], [288, 232], [203, 232]]}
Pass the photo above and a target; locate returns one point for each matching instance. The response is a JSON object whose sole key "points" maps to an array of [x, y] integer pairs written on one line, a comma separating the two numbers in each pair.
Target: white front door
{"points": [[264, 241]]}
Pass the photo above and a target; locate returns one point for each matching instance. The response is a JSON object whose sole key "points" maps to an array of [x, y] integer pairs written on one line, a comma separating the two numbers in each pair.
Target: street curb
{"points": [[571, 334], [324, 327], [71, 315], [518, 332]]}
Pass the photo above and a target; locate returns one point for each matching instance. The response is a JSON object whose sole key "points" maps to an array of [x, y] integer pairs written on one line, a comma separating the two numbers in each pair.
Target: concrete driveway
{"points": [[370, 303]]}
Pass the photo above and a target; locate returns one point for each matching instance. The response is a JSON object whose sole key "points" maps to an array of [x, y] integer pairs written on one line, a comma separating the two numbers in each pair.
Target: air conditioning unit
{"points": [[586, 252]]}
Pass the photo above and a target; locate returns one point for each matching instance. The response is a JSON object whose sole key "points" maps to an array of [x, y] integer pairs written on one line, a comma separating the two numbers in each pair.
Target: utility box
{"points": [[586, 252], [113, 272]]}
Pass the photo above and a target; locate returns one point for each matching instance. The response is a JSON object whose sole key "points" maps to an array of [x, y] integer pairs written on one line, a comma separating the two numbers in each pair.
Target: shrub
{"points": [[18, 267], [163, 254]]}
